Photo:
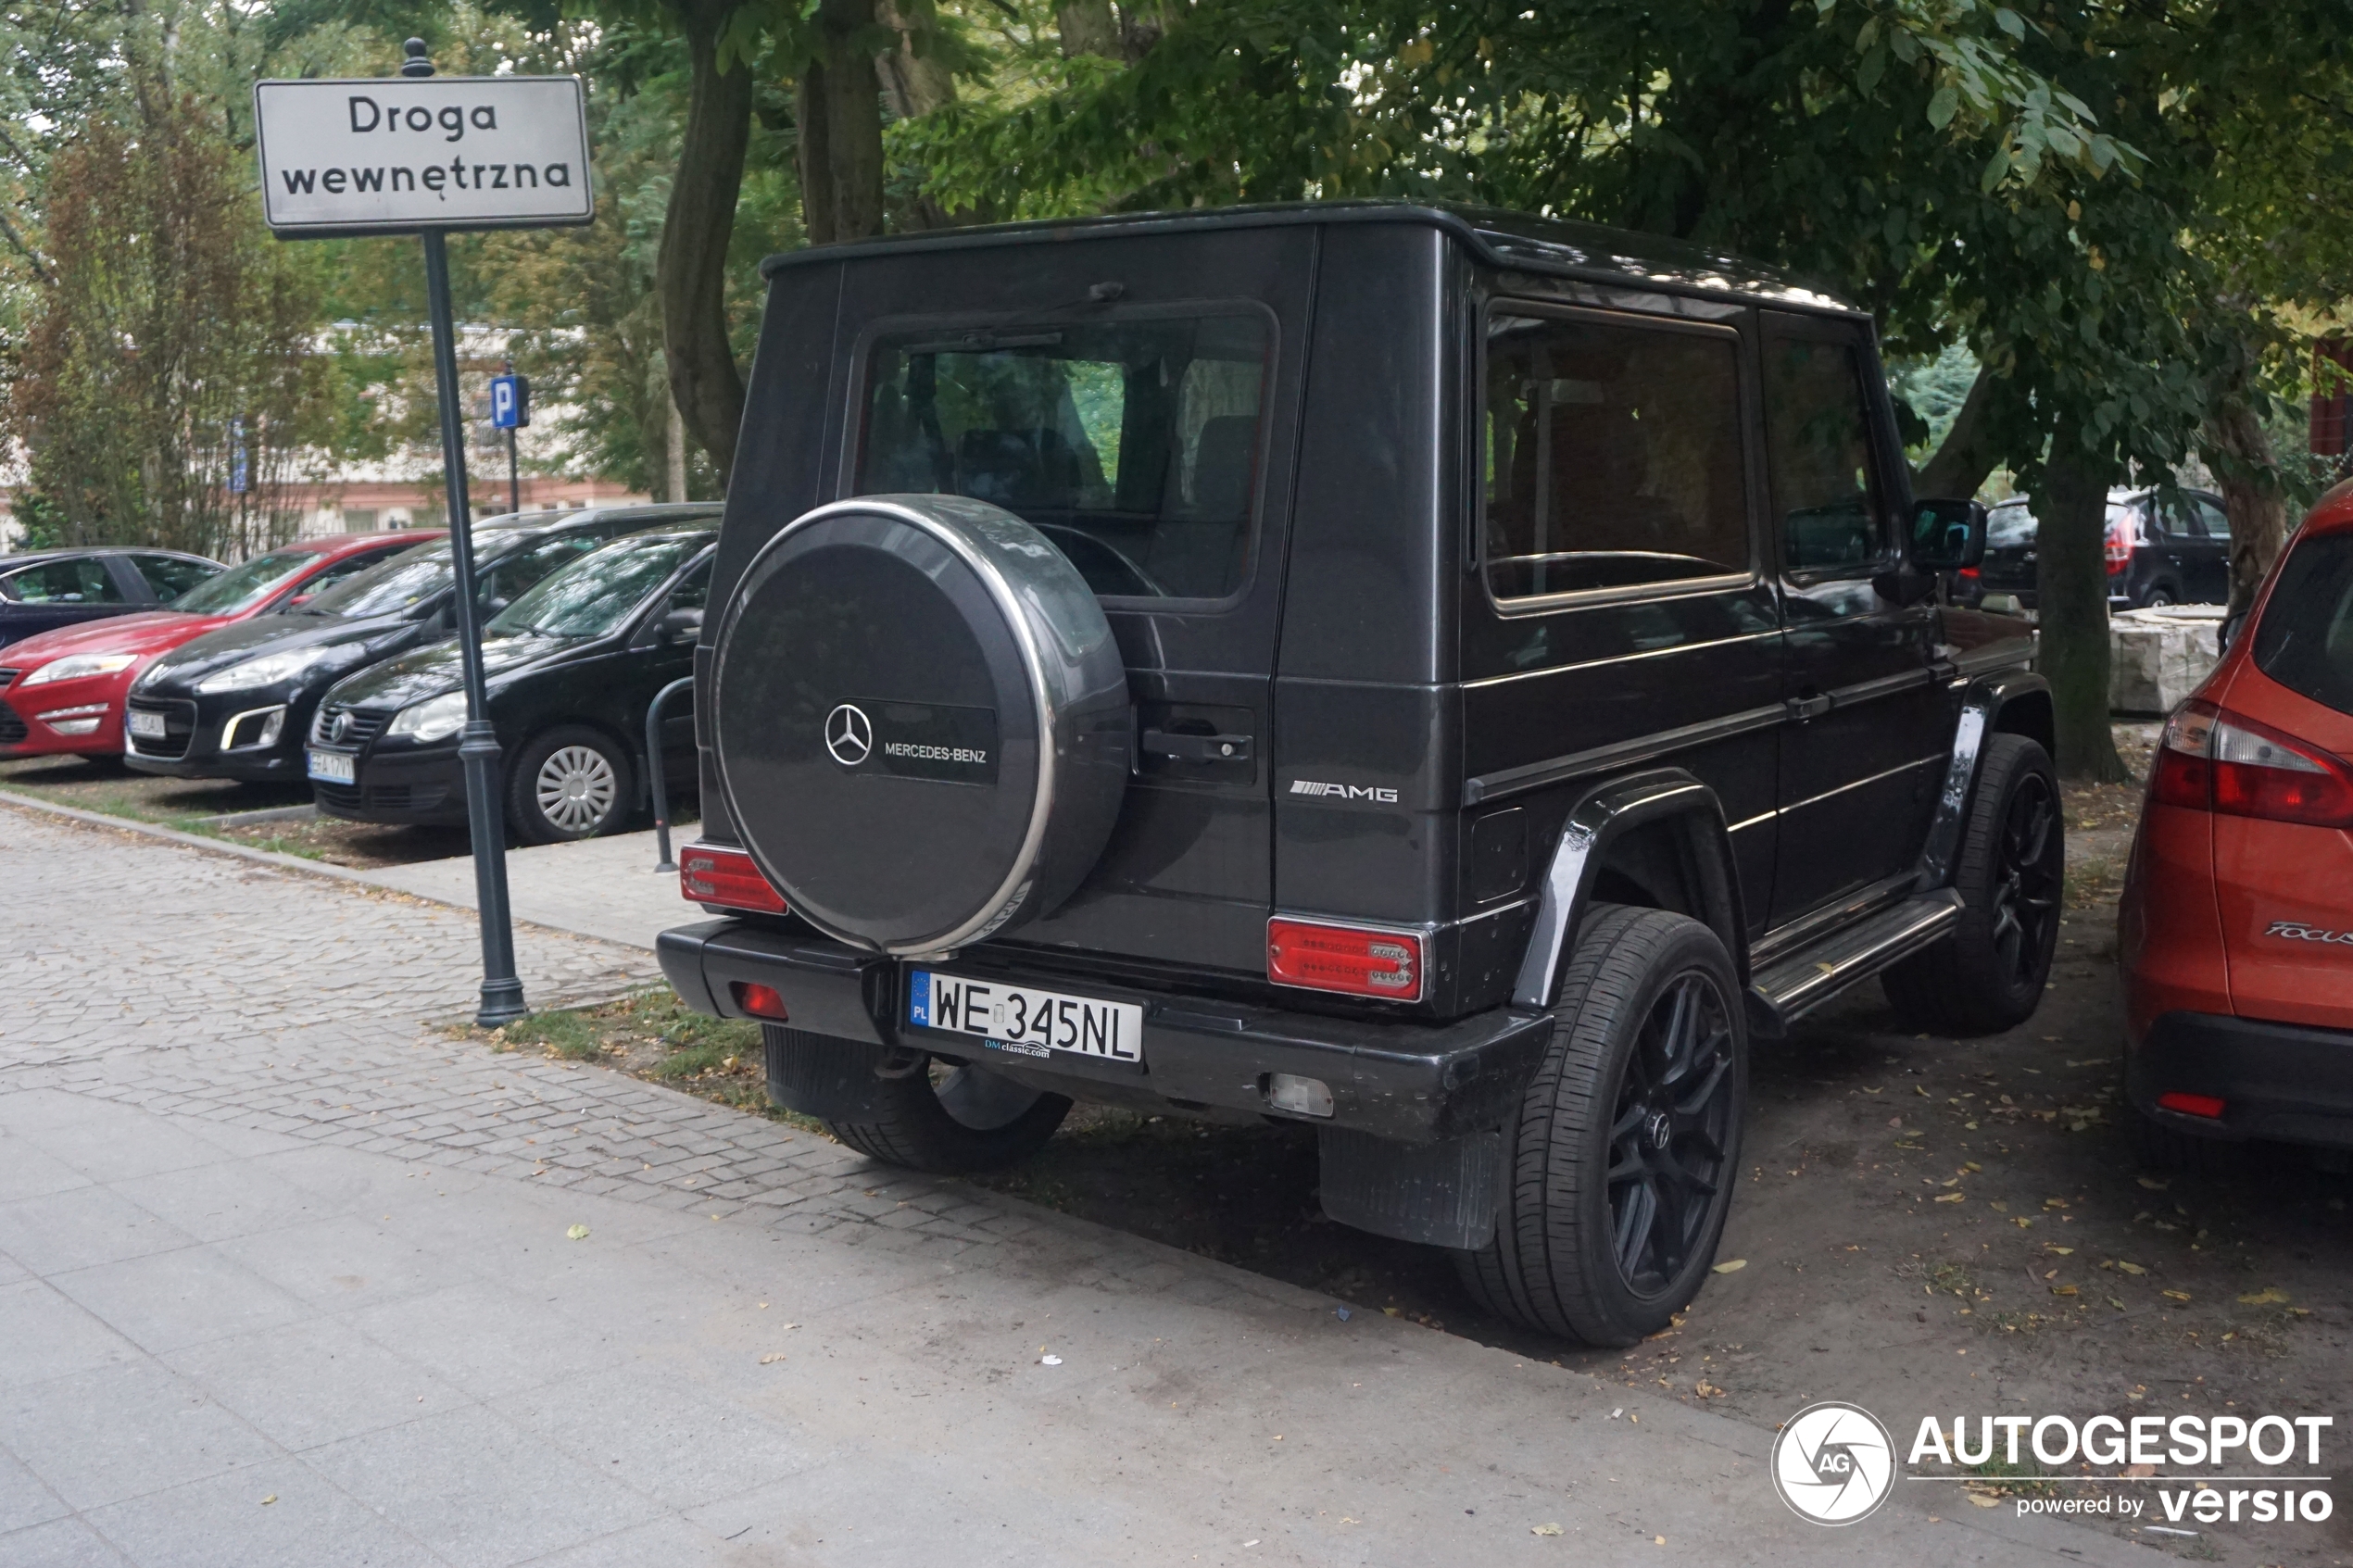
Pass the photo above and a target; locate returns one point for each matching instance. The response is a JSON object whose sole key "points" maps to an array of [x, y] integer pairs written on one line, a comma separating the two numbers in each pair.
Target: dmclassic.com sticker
{"points": [[1835, 1463]]}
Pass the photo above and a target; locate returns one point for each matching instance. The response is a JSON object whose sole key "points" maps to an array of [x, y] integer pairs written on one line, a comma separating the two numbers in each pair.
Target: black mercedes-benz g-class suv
{"points": [[1447, 678]]}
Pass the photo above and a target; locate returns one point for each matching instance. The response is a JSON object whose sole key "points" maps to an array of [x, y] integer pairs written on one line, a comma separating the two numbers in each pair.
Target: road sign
{"points": [[510, 402], [399, 155]]}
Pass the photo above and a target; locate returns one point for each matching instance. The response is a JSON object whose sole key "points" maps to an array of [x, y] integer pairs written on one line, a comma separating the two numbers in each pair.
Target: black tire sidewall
{"points": [[2010, 761], [530, 824]]}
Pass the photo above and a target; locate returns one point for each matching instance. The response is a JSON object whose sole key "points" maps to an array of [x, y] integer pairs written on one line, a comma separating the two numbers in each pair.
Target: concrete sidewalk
{"points": [[602, 887], [287, 1279]]}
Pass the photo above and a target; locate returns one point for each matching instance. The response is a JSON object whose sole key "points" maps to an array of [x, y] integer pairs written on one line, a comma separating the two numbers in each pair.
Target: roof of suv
{"points": [[1516, 240]]}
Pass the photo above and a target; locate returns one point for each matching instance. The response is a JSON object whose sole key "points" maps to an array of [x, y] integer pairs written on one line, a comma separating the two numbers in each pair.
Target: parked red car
{"points": [[62, 690], [2235, 932]]}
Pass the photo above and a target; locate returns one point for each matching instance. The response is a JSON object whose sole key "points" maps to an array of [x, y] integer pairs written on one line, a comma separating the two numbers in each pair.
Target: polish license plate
{"points": [[147, 726], [333, 767], [1023, 1020]]}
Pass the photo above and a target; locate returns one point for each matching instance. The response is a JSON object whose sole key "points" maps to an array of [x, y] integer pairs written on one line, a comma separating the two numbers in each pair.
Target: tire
{"points": [[1989, 974], [569, 783], [2156, 595], [1650, 1024], [937, 1116]]}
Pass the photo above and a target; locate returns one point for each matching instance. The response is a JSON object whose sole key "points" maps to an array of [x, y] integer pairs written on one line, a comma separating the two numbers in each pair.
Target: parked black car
{"points": [[2161, 550], [571, 669], [237, 703], [1444, 678], [45, 589]]}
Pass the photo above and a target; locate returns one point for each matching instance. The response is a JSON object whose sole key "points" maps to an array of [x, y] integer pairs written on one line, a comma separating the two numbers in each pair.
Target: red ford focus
{"points": [[2235, 932], [62, 690]]}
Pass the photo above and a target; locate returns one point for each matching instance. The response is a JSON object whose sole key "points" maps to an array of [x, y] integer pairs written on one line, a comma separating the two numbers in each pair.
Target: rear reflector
{"points": [[715, 874], [1350, 959], [2192, 1104], [761, 1001], [2212, 760]]}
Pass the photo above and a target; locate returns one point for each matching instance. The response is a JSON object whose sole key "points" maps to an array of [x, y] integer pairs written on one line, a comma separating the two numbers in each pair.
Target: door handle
{"points": [[1197, 748], [1812, 705]]}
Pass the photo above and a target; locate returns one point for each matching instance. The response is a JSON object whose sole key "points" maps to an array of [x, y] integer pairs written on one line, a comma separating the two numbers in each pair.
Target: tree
{"points": [[166, 386]]}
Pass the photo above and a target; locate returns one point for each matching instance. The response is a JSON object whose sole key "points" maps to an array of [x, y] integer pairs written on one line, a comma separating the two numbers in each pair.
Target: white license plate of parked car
{"points": [[333, 767], [147, 726], [1024, 1021]]}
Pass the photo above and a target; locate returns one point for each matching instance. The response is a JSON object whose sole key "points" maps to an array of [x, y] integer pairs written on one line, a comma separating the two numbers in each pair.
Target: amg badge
{"points": [[1373, 792]]}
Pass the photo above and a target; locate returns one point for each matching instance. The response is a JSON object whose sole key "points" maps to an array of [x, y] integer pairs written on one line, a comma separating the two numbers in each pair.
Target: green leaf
{"points": [[1996, 168], [1942, 106], [2010, 23], [1874, 66]]}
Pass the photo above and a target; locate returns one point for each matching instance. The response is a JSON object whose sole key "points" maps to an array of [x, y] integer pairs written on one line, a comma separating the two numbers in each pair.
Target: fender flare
{"points": [[1607, 813], [1982, 712]]}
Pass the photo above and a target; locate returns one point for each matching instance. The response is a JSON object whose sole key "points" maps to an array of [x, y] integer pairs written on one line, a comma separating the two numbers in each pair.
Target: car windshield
{"points": [[595, 593], [409, 579], [2306, 641], [2011, 524], [245, 584]]}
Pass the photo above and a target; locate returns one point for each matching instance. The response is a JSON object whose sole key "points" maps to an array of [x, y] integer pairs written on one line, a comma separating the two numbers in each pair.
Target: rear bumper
{"points": [[2285, 1081], [1413, 1082]]}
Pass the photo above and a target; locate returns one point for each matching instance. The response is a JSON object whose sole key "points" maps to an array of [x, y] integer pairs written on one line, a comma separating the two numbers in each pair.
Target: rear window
{"points": [[1133, 445], [2306, 641], [245, 584]]}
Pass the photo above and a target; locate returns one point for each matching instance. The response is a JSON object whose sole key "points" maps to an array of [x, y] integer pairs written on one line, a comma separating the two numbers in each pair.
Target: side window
{"points": [[83, 581], [2213, 521], [1825, 493], [693, 591], [350, 566], [171, 576], [1612, 455], [508, 579]]}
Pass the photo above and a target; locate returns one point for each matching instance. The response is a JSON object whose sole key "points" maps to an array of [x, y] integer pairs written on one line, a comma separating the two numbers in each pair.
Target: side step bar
{"points": [[1795, 986]]}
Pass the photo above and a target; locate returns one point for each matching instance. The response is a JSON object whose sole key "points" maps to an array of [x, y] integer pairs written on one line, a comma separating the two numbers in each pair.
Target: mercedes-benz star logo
{"points": [[849, 734]]}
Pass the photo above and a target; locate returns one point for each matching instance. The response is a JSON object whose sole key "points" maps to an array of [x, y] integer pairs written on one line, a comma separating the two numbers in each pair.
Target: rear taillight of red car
{"points": [[2212, 760], [718, 873]]}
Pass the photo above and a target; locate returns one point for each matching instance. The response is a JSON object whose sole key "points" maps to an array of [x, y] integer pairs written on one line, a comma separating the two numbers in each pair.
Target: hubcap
{"points": [[2027, 871], [576, 788], [1673, 1123]]}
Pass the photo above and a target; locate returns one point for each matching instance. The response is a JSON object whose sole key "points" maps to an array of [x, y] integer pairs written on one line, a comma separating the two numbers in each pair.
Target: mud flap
{"points": [[1442, 1194], [831, 1079]]}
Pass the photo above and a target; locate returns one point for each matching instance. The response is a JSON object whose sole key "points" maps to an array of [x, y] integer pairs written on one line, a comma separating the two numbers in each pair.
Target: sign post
{"points": [[509, 411], [425, 155]]}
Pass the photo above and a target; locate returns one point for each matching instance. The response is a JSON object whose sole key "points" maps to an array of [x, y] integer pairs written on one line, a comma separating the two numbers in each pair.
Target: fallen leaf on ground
{"points": [[2154, 1185], [1730, 1266], [577, 1233], [772, 1357], [2268, 1296], [1920, 1091], [2056, 1251], [2176, 1295], [2063, 1290], [1953, 1198], [2129, 1267], [2138, 1471], [1984, 1501], [267, 1501], [1544, 1530]]}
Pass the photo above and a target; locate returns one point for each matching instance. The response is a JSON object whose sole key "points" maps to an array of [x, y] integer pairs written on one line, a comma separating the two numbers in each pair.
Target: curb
{"points": [[295, 863]]}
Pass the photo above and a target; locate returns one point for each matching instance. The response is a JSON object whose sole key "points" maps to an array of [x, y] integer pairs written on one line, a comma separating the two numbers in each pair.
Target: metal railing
{"points": [[654, 778]]}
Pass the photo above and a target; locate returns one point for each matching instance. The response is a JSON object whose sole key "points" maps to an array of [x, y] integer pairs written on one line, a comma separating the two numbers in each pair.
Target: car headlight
{"points": [[77, 666], [267, 671], [437, 720]]}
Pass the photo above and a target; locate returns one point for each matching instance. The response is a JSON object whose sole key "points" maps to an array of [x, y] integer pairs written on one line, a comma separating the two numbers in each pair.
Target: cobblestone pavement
{"points": [[235, 1326]]}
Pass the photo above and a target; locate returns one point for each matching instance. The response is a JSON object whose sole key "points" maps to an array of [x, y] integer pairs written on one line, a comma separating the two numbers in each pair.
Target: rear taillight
{"points": [[2192, 1104], [2212, 760], [1972, 574], [715, 874], [2119, 545], [1354, 960]]}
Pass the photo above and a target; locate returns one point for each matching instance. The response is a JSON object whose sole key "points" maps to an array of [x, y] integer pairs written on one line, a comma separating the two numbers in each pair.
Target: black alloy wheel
{"points": [[1619, 1165], [1989, 974], [1667, 1139]]}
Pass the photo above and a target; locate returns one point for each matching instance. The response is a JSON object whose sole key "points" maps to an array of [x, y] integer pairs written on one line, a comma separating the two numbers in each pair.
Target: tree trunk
{"points": [[675, 471], [1969, 453], [2249, 475], [840, 122], [913, 79], [1089, 27], [2071, 601], [691, 272]]}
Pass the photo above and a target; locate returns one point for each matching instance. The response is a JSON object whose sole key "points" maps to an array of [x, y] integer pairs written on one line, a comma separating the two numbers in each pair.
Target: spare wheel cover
{"points": [[921, 720]]}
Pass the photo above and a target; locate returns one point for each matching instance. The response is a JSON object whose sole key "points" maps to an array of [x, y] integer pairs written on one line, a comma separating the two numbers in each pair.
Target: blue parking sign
{"points": [[510, 402]]}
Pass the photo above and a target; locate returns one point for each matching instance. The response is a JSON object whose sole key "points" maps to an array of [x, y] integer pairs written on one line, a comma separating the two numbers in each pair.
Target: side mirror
{"points": [[681, 626], [1947, 535]]}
